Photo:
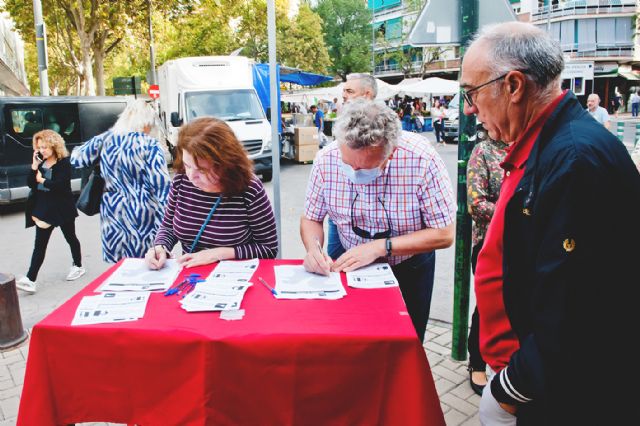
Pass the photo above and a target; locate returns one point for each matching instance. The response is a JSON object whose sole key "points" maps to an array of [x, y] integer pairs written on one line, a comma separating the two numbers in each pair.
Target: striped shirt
{"points": [[244, 221], [413, 193]]}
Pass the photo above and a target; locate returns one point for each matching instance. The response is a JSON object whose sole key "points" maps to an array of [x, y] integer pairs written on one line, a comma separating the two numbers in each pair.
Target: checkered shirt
{"points": [[414, 191]]}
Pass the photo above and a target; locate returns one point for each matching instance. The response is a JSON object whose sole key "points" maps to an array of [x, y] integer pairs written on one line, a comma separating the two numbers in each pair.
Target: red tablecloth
{"points": [[353, 361]]}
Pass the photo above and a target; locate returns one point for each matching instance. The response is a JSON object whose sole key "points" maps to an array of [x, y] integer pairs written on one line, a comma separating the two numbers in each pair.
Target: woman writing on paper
{"points": [[217, 209]]}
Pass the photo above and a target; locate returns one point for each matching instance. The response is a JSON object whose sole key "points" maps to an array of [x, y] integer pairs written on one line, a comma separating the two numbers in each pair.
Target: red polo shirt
{"points": [[497, 340]]}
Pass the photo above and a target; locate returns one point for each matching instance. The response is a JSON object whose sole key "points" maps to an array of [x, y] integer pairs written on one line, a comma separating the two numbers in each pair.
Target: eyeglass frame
{"points": [[466, 93], [366, 234]]}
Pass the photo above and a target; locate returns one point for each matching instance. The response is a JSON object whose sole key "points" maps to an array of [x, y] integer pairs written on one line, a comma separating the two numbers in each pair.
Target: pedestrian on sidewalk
{"points": [[50, 205], [635, 103], [556, 279], [484, 178], [597, 112], [137, 181]]}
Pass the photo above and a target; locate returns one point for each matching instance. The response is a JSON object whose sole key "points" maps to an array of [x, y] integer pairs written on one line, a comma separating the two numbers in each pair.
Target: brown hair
{"points": [[53, 140], [210, 139]]}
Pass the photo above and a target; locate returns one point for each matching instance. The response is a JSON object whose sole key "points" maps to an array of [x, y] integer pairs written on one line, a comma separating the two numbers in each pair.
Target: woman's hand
{"points": [[35, 161], [156, 257], [39, 177], [204, 257]]}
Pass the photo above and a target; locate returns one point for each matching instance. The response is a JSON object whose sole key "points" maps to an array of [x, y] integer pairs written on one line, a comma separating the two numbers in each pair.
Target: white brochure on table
{"points": [[294, 282], [376, 275], [215, 296], [135, 275], [239, 271], [111, 307]]}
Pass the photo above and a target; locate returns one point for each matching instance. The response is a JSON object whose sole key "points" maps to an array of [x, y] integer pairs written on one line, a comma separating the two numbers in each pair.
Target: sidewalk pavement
{"points": [[459, 403]]}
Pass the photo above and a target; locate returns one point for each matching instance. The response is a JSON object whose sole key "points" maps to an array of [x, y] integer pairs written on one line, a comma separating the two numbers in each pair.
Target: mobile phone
{"points": [[39, 157]]}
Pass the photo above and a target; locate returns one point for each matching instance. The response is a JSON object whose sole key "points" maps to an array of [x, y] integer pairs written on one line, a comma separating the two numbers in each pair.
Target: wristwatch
{"points": [[387, 246]]}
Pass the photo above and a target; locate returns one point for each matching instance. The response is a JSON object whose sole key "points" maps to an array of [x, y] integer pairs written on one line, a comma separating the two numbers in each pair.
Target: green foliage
{"points": [[347, 33], [304, 47]]}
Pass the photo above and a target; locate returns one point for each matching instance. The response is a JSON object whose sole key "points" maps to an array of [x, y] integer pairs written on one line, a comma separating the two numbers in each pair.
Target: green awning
{"points": [[629, 75]]}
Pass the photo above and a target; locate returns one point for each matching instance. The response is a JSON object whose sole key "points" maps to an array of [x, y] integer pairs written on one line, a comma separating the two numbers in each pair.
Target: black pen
{"points": [[271, 289]]}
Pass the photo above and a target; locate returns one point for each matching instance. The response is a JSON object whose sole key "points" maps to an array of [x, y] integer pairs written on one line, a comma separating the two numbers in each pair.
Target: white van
{"points": [[221, 87]]}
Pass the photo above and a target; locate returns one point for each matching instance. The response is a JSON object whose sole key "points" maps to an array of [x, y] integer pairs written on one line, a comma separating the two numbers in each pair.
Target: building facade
{"points": [[602, 32], [13, 78]]}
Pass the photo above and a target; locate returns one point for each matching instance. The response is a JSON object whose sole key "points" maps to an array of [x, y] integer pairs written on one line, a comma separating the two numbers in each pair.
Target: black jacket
{"points": [[56, 206], [571, 240]]}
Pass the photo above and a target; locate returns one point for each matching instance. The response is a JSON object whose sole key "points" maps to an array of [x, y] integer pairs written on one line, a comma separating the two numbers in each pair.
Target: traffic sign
{"points": [[154, 91]]}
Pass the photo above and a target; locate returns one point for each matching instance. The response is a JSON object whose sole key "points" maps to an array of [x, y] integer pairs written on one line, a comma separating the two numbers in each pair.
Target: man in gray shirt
{"points": [[600, 114]]}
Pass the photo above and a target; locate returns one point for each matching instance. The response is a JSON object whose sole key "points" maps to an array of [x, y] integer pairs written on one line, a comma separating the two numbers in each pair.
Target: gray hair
{"points": [[364, 123], [366, 80], [135, 117], [523, 47]]}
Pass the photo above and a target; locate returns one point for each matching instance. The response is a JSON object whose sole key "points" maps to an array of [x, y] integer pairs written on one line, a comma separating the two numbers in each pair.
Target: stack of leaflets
{"points": [[224, 288], [111, 307], [376, 275], [135, 275], [294, 282]]}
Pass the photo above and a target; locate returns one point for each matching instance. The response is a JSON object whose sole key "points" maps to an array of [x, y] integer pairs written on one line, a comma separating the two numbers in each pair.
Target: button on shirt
{"points": [[414, 188]]}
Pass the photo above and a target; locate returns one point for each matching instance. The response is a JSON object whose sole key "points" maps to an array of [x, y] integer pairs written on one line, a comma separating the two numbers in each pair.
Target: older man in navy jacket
{"points": [[556, 279]]}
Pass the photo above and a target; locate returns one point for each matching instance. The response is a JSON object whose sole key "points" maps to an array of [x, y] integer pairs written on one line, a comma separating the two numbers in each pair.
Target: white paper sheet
{"points": [[376, 275], [111, 307], [218, 296], [239, 271], [293, 282], [134, 275]]}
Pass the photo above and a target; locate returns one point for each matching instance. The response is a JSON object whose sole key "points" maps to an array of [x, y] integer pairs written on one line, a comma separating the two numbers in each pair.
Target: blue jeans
{"points": [[406, 123], [634, 109], [334, 246], [415, 276]]}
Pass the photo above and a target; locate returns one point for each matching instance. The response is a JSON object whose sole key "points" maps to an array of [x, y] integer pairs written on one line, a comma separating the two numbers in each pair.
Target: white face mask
{"points": [[362, 176]]}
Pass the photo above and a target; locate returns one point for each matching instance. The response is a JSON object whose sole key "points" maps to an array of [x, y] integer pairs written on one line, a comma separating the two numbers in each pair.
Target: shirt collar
{"points": [[518, 152]]}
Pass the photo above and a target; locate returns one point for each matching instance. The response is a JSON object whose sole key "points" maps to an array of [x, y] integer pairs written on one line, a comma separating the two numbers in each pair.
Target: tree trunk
{"points": [[98, 60], [89, 87]]}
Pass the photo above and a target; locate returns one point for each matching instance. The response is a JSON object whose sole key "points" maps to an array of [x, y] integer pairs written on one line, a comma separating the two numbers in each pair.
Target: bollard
{"points": [[11, 331], [620, 131]]}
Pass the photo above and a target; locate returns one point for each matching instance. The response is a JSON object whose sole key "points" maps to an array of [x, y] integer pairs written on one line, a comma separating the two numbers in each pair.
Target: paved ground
{"points": [[458, 401]]}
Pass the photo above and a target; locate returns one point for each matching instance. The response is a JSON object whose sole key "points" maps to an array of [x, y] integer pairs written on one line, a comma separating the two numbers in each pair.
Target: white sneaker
{"points": [[25, 284], [75, 272]]}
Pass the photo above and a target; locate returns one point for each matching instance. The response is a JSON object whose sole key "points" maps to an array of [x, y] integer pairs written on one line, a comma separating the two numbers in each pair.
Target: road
{"points": [[53, 290]]}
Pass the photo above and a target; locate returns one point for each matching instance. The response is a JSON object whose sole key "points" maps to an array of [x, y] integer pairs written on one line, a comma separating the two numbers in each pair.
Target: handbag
{"points": [[91, 195]]}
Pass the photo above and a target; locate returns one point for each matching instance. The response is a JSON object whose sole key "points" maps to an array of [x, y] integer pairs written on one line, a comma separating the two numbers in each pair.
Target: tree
{"points": [[347, 34], [252, 28], [304, 46]]}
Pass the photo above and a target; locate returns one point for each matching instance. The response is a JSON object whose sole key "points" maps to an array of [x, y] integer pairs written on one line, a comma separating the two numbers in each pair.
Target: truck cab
{"points": [[221, 87]]}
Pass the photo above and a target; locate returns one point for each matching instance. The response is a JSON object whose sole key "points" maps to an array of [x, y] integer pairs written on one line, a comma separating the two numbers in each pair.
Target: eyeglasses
{"points": [[366, 234], [466, 94]]}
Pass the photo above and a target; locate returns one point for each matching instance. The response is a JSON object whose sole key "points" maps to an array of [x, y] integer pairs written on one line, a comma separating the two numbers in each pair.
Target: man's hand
{"points": [[317, 261], [511, 409], [359, 256]]}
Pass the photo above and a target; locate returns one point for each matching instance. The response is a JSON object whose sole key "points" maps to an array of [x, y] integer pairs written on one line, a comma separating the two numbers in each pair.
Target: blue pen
{"points": [[271, 289]]}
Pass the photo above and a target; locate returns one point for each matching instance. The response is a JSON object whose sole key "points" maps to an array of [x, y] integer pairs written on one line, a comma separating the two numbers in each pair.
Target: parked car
{"points": [[77, 119], [452, 120]]}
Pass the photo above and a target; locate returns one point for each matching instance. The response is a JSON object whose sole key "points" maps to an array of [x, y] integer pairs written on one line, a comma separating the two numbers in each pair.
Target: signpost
{"points": [[454, 22], [154, 91], [126, 85]]}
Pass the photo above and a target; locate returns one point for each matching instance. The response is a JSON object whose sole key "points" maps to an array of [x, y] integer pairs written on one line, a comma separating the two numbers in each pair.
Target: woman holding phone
{"points": [[50, 204]]}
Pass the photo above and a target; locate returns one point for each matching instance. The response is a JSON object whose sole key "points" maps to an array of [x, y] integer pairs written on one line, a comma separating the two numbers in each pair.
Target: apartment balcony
{"points": [[600, 51], [584, 7], [395, 69]]}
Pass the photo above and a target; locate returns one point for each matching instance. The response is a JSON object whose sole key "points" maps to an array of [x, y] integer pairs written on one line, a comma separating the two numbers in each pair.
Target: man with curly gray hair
{"points": [[555, 290], [390, 196]]}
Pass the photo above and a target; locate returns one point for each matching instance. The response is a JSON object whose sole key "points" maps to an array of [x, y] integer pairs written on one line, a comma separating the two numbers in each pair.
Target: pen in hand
{"points": [[319, 246], [271, 289]]}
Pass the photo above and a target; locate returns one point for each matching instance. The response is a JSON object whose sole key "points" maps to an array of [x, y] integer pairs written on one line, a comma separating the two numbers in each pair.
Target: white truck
{"points": [[218, 86]]}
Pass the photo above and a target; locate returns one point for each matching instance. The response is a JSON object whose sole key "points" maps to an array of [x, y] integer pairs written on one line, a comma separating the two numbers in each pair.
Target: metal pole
{"points": [[275, 117], [373, 38], [469, 12], [152, 55], [41, 45]]}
